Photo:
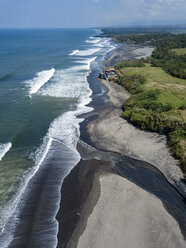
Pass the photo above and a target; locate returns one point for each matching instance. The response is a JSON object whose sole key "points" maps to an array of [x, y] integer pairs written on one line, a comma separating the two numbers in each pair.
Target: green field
{"points": [[157, 103], [172, 89], [179, 51]]}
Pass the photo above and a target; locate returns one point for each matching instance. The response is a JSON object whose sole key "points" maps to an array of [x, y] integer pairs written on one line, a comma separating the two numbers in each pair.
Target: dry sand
{"points": [[127, 216], [128, 52], [143, 52]]}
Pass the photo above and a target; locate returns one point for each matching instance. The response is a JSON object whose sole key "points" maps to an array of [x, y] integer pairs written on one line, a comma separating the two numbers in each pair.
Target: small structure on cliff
{"points": [[108, 73]]}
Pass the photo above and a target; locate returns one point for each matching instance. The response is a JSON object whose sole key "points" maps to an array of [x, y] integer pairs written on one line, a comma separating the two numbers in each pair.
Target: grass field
{"points": [[179, 51], [158, 104], [172, 90]]}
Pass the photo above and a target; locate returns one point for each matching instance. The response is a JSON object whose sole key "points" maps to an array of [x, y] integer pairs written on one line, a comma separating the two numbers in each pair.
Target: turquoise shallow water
{"points": [[43, 87]]}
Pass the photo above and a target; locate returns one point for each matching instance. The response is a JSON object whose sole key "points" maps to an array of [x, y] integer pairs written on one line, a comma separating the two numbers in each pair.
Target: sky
{"points": [[90, 13]]}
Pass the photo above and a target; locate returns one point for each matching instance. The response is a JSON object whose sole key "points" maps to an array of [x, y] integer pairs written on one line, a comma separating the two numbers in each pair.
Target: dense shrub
{"points": [[174, 141], [131, 63], [170, 62], [132, 83], [148, 100], [182, 106]]}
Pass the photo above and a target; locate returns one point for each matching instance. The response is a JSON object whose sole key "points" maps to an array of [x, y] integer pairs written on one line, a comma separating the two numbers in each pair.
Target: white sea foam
{"points": [[111, 48], [4, 148], [9, 210], [98, 45], [87, 62], [94, 41], [88, 52], [104, 44], [64, 129], [74, 52], [39, 80], [70, 82]]}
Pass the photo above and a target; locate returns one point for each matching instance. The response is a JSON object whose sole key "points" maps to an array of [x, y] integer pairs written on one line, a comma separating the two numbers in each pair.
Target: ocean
{"points": [[43, 90]]}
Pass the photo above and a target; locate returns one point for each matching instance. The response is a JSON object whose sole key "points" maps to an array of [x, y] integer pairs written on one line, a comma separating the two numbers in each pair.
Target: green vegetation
{"points": [[152, 36], [157, 103], [131, 63], [110, 32], [170, 62], [179, 51], [165, 56], [157, 84], [132, 83], [143, 39]]}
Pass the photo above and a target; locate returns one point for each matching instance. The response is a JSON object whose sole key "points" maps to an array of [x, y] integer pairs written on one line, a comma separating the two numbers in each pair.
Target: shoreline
{"points": [[114, 104], [76, 208], [140, 146]]}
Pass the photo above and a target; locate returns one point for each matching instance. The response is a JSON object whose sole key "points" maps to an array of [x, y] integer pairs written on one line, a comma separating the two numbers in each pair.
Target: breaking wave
{"points": [[74, 52], [88, 52], [70, 82], [4, 148], [39, 80]]}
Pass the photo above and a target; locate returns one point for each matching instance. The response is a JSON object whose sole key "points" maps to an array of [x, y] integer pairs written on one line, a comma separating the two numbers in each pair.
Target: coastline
{"points": [[129, 140], [98, 127]]}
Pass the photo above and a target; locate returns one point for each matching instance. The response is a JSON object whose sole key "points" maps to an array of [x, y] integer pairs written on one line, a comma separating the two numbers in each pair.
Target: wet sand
{"points": [[75, 191]]}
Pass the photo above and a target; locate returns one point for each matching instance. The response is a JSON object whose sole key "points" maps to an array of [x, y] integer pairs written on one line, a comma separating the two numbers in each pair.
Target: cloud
{"points": [[122, 11], [83, 13]]}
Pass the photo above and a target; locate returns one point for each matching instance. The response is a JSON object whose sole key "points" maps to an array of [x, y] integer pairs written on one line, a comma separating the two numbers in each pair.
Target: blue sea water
{"points": [[43, 88]]}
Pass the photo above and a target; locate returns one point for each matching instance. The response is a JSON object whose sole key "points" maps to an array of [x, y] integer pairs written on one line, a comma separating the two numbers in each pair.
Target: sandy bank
{"points": [[143, 52], [128, 52], [127, 216], [113, 133]]}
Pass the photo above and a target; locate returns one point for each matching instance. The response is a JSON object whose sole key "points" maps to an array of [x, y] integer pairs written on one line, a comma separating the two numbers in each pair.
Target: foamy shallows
{"points": [[70, 82], [74, 52], [66, 83], [93, 40], [88, 52], [4, 148], [87, 62], [39, 80], [64, 131]]}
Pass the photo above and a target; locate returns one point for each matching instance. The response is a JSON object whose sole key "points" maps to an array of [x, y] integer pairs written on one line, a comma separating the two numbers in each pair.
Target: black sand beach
{"points": [[106, 180], [87, 180]]}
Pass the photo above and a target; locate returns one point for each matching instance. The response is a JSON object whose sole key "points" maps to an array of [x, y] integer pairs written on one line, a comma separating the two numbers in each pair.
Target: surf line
{"points": [[4, 148], [39, 80]]}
